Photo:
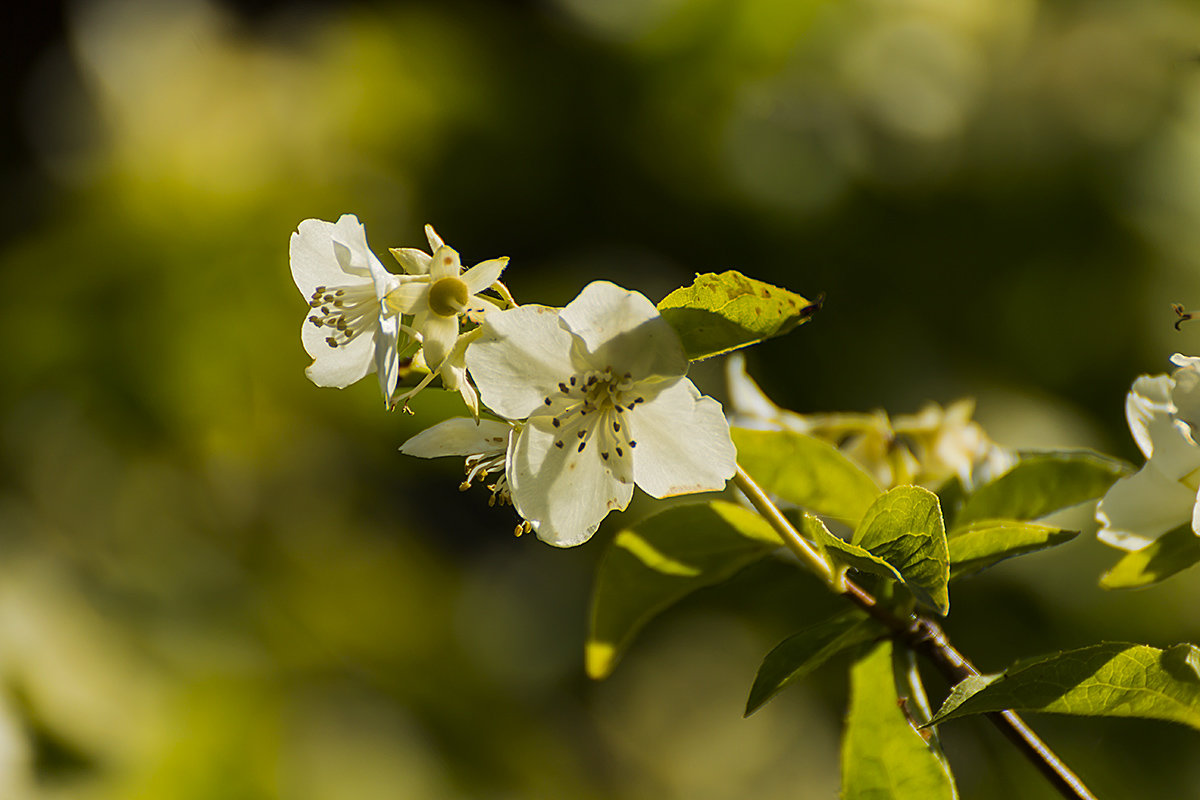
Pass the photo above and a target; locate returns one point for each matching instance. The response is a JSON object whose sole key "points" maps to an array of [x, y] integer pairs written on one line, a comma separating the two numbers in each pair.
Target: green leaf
{"points": [[661, 559], [1174, 551], [1104, 680], [806, 471], [723, 312], [983, 543], [841, 553], [905, 528], [1041, 484], [926, 581], [883, 754], [798, 655]]}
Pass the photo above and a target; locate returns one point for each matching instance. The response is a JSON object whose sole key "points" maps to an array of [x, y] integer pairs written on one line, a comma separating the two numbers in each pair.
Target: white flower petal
{"points": [[1149, 399], [683, 443], [387, 358], [312, 258], [467, 391], [435, 241], [337, 366], [624, 330], [1173, 452], [350, 246], [745, 396], [414, 262], [454, 372], [458, 437], [384, 281], [1196, 515], [1186, 393], [1185, 362], [519, 358], [998, 461], [484, 274], [445, 264], [564, 492], [439, 335], [1140, 508], [408, 297]]}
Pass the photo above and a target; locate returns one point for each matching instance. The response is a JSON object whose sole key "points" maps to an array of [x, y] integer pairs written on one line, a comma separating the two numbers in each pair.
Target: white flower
{"points": [[437, 293], [602, 387], [948, 442], [350, 332], [1163, 412], [926, 448], [487, 446]]}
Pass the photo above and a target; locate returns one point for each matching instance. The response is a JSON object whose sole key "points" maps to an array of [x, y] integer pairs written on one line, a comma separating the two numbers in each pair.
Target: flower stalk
{"points": [[921, 635]]}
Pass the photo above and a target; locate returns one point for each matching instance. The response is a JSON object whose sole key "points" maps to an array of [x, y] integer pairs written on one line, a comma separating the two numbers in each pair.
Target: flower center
{"points": [[448, 296], [595, 403], [347, 311]]}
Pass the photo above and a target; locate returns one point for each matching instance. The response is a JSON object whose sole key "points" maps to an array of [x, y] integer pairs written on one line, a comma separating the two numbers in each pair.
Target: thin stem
{"points": [[791, 537], [921, 635]]}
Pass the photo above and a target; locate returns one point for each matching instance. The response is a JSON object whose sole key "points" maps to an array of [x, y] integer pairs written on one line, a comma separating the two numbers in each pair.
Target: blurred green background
{"points": [[219, 581]]}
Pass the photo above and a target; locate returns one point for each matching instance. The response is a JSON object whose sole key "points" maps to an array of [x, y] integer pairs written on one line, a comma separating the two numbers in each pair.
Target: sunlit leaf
{"points": [[1104, 680], [883, 753], [1172, 552], [659, 560], [723, 311], [1041, 484], [841, 553], [807, 472], [799, 654], [983, 543], [904, 527]]}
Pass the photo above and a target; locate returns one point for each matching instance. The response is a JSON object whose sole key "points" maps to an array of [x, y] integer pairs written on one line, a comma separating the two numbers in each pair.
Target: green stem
{"points": [[921, 635], [791, 537]]}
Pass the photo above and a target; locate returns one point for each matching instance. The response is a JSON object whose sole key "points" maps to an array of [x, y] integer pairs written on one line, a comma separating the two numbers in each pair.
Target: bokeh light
{"points": [[219, 581]]}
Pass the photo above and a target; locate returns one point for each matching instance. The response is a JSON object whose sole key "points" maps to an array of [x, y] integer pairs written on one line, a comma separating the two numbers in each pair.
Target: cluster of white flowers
{"points": [[356, 326], [925, 448], [1163, 412], [587, 400]]}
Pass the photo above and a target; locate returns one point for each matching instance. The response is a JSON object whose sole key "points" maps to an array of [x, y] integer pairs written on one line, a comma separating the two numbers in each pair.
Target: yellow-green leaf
{"points": [[1112, 679], [883, 753], [1041, 484], [659, 560], [1174, 551], [807, 472], [724, 311], [800, 654], [981, 544], [840, 553], [905, 528]]}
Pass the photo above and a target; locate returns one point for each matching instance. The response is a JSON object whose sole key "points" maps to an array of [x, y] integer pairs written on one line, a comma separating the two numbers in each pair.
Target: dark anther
{"points": [[1184, 316]]}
